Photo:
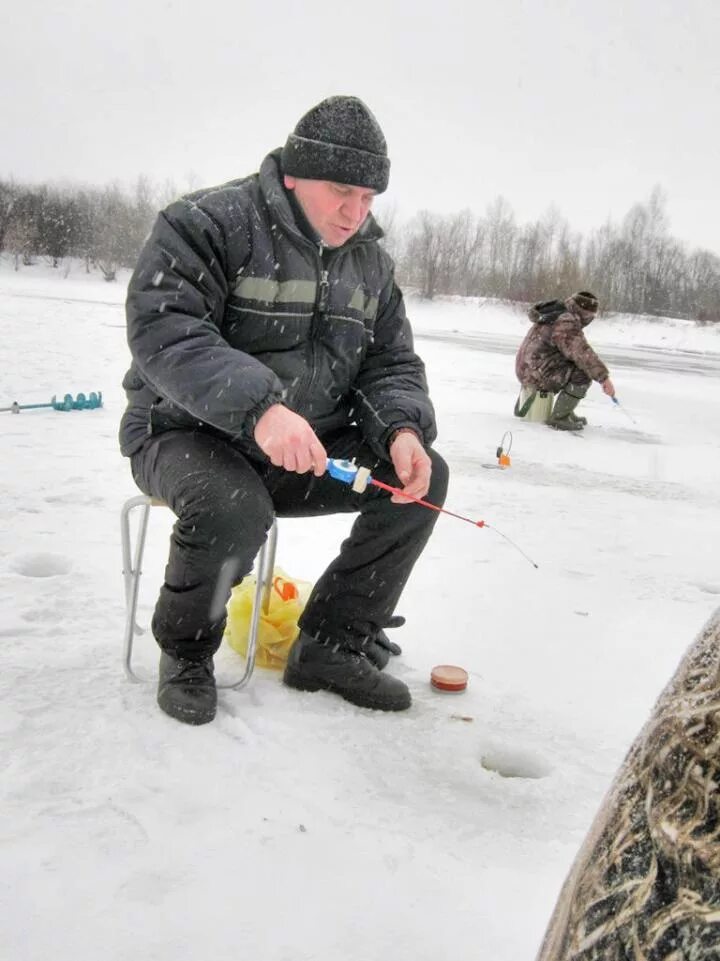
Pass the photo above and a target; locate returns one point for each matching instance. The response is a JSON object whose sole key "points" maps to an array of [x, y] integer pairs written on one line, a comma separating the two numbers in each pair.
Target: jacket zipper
{"points": [[319, 312]]}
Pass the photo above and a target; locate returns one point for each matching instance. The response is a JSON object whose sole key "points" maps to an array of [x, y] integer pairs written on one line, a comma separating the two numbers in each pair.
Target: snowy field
{"points": [[297, 827]]}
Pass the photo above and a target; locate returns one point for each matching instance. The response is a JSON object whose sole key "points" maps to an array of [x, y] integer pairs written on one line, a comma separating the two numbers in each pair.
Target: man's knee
{"points": [[225, 520], [577, 382], [438, 479], [577, 390], [229, 525]]}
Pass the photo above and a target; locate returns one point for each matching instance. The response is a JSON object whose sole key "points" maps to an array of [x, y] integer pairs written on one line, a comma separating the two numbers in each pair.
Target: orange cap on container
{"points": [[448, 677]]}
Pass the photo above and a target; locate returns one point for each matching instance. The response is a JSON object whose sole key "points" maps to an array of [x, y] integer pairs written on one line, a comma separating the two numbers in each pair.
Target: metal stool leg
{"points": [[131, 573], [132, 569], [265, 567]]}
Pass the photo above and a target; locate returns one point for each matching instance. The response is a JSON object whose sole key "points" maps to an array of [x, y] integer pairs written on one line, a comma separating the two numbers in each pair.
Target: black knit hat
{"points": [[586, 301], [339, 139]]}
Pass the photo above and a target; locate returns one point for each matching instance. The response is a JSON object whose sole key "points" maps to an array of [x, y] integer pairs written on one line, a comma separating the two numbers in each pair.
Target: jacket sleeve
{"points": [[570, 340], [175, 307], [391, 390]]}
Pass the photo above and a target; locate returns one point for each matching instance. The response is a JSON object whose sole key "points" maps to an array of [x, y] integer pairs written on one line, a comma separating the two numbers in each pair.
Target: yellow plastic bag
{"points": [[277, 628]]}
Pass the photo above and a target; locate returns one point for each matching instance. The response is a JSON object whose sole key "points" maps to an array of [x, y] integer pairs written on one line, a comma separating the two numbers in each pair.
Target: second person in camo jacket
{"points": [[555, 356]]}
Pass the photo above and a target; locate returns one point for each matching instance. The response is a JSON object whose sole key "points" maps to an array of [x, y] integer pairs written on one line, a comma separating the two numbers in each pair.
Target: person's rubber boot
{"points": [[323, 666], [579, 420], [186, 689], [562, 416]]}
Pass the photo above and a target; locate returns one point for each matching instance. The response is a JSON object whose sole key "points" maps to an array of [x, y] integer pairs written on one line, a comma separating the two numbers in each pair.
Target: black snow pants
{"points": [[225, 502]]}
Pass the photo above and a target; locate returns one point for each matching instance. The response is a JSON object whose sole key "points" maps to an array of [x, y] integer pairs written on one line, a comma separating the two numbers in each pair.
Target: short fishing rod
{"points": [[359, 478]]}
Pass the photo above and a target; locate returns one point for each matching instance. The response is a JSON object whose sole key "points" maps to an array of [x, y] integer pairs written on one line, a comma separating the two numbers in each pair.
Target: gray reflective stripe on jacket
{"points": [[228, 312]]}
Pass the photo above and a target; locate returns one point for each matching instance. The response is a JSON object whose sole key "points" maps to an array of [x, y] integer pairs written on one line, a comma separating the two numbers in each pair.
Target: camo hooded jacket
{"points": [[232, 309], [555, 346], [645, 885]]}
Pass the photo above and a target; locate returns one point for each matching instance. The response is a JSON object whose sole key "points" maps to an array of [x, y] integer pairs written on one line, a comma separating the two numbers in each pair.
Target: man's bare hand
{"points": [[289, 441], [608, 387], [412, 466]]}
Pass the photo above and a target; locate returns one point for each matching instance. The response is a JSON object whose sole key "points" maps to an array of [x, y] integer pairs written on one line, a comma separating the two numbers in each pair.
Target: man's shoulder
{"points": [[227, 205], [241, 185], [568, 318], [224, 198], [375, 264], [385, 259], [567, 327]]}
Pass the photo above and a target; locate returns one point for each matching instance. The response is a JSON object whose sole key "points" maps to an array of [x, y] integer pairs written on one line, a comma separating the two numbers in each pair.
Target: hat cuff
{"points": [[318, 160], [586, 302]]}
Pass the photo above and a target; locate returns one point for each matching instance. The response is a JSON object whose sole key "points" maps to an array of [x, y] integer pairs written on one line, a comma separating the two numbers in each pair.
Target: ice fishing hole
{"points": [[41, 564], [510, 762]]}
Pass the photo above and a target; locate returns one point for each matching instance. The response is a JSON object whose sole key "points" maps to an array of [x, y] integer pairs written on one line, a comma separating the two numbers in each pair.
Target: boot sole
{"points": [[297, 682], [196, 718]]}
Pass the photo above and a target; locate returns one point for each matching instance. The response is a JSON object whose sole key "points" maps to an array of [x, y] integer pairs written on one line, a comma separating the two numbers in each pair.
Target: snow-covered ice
{"points": [[297, 827]]}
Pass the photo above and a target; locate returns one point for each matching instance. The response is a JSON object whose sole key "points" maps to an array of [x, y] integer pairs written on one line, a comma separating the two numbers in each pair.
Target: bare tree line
{"points": [[105, 227], [635, 266]]}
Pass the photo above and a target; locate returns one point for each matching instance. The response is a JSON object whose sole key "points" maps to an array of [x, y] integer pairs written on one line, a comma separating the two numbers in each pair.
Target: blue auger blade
{"points": [[81, 402], [87, 403]]}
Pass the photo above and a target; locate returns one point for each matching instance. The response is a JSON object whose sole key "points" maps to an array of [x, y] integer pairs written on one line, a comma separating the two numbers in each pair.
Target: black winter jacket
{"points": [[231, 309]]}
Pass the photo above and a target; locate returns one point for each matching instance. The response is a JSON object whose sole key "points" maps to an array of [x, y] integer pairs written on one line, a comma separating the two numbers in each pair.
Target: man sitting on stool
{"points": [[556, 358]]}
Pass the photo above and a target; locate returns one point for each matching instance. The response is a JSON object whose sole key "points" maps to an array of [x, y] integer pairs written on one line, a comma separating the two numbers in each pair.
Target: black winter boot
{"points": [[186, 689], [319, 665]]}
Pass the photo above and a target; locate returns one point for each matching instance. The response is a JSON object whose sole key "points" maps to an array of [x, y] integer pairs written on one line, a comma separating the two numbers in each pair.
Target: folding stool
{"points": [[132, 570]]}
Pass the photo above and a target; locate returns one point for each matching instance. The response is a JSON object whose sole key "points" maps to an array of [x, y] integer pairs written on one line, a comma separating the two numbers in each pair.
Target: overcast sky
{"points": [[579, 104]]}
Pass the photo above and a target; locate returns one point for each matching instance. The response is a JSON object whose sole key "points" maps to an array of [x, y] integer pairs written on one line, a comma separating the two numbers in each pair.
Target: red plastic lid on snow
{"points": [[448, 677]]}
